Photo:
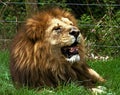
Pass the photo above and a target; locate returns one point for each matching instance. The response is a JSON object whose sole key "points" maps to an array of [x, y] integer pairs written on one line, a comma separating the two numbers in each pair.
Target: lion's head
{"points": [[60, 31]]}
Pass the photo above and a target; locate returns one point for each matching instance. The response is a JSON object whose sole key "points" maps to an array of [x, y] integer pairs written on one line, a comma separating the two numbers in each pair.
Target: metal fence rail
{"points": [[74, 4]]}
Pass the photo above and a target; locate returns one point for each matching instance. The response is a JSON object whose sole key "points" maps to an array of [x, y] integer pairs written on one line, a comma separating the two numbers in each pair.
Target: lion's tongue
{"points": [[73, 49]]}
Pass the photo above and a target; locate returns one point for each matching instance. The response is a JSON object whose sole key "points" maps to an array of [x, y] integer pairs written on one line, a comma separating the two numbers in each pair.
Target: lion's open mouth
{"points": [[69, 51]]}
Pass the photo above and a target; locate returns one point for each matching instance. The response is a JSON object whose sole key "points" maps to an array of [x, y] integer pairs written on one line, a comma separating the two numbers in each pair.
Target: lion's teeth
{"points": [[73, 49]]}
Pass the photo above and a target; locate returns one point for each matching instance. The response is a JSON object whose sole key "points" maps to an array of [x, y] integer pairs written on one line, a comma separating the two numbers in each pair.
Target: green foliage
{"points": [[7, 30], [60, 3], [102, 32], [99, 24], [84, 23]]}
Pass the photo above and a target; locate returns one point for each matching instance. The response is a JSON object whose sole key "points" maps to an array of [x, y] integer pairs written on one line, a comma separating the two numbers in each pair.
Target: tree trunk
{"points": [[31, 7]]}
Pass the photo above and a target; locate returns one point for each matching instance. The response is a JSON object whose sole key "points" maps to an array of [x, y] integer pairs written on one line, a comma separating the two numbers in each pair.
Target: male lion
{"points": [[50, 50]]}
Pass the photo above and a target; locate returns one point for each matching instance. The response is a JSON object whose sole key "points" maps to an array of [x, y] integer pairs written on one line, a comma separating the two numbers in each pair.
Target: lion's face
{"points": [[65, 35]]}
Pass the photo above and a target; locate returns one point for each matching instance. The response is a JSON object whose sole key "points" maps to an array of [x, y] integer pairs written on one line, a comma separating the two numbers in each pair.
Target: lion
{"points": [[49, 50]]}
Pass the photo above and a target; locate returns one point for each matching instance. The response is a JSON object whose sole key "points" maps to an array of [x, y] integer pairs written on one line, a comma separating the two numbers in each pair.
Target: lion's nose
{"points": [[75, 32]]}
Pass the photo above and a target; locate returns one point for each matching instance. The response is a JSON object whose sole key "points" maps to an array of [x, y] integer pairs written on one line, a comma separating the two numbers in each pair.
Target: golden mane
{"points": [[35, 62]]}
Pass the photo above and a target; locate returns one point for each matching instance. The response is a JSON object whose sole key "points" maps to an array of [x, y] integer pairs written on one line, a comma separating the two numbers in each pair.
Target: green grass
{"points": [[109, 69]]}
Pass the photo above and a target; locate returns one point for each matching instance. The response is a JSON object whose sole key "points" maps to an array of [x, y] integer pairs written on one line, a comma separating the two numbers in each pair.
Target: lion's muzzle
{"points": [[75, 32], [71, 52]]}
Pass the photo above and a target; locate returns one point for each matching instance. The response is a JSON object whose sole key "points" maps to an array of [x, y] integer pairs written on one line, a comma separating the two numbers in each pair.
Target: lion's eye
{"points": [[58, 29]]}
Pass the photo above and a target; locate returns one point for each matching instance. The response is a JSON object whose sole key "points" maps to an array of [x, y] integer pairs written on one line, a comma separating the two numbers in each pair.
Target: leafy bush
{"points": [[99, 24], [103, 35]]}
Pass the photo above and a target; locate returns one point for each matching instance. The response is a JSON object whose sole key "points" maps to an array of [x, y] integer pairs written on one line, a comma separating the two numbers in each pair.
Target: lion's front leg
{"points": [[87, 75], [93, 75]]}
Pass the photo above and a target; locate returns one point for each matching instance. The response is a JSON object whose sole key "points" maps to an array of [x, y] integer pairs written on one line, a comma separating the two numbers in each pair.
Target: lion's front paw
{"points": [[99, 90], [102, 79]]}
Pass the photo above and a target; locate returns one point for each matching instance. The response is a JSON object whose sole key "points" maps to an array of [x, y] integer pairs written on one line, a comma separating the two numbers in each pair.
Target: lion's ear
{"points": [[34, 29]]}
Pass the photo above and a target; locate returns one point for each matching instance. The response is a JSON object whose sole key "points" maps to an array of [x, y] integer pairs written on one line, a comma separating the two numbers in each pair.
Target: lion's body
{"points": [[36, 58]]}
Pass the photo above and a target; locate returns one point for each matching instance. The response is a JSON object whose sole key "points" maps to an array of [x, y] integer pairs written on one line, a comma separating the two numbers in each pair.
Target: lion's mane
{"points": [[35, 62]]}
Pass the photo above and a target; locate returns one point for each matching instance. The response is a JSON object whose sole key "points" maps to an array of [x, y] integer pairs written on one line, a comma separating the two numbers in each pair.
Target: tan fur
{"points": [[36, 59]]}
